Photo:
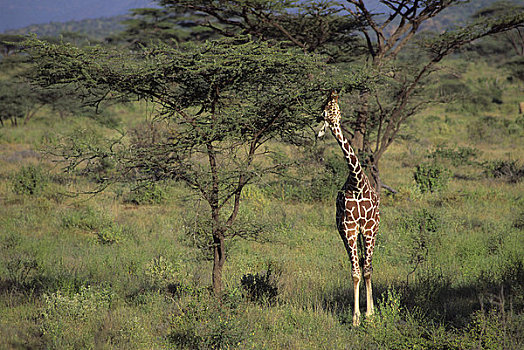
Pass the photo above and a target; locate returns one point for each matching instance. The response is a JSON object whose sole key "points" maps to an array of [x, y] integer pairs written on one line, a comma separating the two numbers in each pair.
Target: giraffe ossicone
{"points": [[357, 212]]}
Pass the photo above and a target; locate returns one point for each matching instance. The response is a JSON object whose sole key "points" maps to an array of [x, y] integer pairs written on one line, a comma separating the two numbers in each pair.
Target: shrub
{"points": [[161, 273], [21, 267], [110, 234], [150, 193], [431, 177], [30, 180], [490, 129], [492, 330], [518, 221], [205, 323], [457, 157], [82, 312], [507, 170], [85, 218], [261, 287], [393, 327], [420, 229]]}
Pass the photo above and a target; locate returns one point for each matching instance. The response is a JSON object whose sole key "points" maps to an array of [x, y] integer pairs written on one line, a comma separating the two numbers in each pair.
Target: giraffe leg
{"points": [[369, 296], [368, 270], [351, 235], [356, 304]]}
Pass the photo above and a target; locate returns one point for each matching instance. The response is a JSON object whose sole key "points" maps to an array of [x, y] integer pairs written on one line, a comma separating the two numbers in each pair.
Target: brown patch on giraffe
{"points": [[350, 205], [369, 225], [366, 205]]}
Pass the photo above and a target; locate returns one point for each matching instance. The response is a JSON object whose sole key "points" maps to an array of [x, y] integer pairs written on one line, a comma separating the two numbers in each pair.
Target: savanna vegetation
{"points": [[166, 189]]}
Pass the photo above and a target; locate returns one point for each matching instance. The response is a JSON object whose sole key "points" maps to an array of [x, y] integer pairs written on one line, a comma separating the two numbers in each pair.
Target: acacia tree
{"points": [[387, 34], [218, 103], [147, 26]]}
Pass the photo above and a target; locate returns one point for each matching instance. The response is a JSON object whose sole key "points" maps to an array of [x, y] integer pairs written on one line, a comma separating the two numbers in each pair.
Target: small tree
{"points": [[218, 105]]}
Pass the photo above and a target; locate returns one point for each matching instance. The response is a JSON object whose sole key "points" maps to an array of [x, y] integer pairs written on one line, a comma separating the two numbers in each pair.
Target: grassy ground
{"points": [[104, 272]]}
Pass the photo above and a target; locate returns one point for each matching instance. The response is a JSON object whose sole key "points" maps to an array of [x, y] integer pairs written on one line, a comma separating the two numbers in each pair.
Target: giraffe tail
{"points": [[362, 250]]}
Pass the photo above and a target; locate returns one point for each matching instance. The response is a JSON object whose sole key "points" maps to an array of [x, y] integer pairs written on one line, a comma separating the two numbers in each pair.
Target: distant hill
{"points": [[16, 14], [459, 15], [111, 13], [98, 28]]}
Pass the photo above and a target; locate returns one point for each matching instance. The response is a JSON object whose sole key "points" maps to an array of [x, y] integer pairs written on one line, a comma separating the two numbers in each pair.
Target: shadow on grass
{"points": [[40, 285], [434, 296]]}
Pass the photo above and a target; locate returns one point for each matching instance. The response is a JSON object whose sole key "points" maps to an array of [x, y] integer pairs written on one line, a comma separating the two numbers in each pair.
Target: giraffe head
{"points": [[331, 112]]}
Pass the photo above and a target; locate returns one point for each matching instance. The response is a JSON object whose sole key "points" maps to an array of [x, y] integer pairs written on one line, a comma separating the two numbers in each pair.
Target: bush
{"points": [[491, 129], [149, 193], [460, 156], [393, 327], [30, 180], [205, 323], [160, 272], [70, 320], [85, 218], [507, 170], [493, 329], [22, 268], [431, 177], [261, 287], [110, 234]]}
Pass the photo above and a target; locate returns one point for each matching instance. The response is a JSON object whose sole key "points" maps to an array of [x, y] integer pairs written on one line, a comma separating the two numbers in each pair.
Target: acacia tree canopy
{"points": [[218, 104]]}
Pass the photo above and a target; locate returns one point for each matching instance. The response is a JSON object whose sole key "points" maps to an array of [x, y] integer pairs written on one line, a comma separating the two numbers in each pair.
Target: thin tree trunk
{"points": [[219, 258]]}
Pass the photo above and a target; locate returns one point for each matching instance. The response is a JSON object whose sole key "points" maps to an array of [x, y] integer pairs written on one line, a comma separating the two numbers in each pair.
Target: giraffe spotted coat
{"points": [[357, 209]]}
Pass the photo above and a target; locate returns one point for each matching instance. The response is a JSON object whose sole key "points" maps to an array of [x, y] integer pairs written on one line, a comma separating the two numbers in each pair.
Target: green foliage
{"points": [[16, 100], [491, 129], [111, 234], [431, 177], [311, 26], [146, 194], [493, 329], [30, 180], [261, 287], [464, 245], [161, 273], [319, 176], [421, 231], [61, 313], [514, 66], [205, 323], [150, 26], [218, 103], [457, 157], [394, 327], [84, 218], [507, 170], [20, 264]]}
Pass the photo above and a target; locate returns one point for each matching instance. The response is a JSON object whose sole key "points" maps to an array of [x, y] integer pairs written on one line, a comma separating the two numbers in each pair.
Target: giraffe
{"points": [[357, 209]]}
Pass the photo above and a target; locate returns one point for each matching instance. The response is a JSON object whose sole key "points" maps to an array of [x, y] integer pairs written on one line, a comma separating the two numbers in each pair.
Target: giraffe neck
{"points": [[356, 175]]}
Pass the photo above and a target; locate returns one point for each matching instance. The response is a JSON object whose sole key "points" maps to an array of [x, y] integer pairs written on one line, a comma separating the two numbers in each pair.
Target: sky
{"points": [[20, 13]]}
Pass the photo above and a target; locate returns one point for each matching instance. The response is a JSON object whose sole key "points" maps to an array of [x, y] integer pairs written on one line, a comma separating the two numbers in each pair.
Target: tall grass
{"points": [[125, 270]]}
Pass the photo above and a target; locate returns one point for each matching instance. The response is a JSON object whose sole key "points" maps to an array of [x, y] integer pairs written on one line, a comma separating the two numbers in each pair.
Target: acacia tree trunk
{"points": [[219, 258]]}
